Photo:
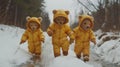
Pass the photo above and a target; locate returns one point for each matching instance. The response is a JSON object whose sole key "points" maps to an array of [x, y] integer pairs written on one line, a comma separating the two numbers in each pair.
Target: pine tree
{"points": [[14, 12]]}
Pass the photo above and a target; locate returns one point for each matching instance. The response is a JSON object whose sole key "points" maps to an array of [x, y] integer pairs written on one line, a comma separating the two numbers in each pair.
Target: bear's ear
{"points": [[80, 17], [40, 19], [67, 12], [28, 18], [54, 11]]}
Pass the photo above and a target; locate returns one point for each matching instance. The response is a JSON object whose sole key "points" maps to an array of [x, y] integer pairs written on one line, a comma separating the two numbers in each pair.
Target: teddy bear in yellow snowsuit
{"points": [[34, 35], [83, 35], [59, 30]]}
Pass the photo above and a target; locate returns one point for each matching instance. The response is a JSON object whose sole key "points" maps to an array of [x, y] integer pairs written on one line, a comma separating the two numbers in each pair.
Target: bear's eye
{"points": [[84, 23]]}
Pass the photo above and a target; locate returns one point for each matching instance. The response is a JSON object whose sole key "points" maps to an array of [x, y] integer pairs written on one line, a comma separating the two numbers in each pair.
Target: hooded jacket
{"points": [[81, 34], [83, 37], [60, 32], [33, 37]]}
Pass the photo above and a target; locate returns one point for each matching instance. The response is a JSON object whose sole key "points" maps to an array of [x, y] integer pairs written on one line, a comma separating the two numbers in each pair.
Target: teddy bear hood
{"points": [[33, 19], [83, 17], [62, 13]]}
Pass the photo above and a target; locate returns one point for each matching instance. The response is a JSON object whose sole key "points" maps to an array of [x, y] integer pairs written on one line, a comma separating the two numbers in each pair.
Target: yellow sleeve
{"points": [[50, 29], [92, 36], [42, 37], [69, 32], [24, 36], [74, 32]]}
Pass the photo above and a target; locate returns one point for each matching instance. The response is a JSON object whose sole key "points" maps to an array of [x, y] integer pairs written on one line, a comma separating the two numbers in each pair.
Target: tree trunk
{"points": [[15, 20], [6, 12], [106, 14]]}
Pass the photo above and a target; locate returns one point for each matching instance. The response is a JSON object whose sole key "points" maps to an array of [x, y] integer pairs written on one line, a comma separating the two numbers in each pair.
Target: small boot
{"points": [[65, 53], [78, 56], [86, 58], [37, 56], [56, 55]]}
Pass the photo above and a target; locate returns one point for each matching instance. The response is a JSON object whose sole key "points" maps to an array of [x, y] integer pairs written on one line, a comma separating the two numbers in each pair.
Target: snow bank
{"points": [[109, 49], [68, 61], [9, 41]]}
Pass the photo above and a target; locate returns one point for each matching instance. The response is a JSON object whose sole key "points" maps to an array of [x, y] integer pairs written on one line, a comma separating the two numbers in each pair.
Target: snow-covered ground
{"points": [[108, 48], [10, 56]]}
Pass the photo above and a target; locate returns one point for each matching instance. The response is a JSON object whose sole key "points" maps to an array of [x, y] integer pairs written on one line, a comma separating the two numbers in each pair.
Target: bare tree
{"points": [[106, 13], [6, 11]]}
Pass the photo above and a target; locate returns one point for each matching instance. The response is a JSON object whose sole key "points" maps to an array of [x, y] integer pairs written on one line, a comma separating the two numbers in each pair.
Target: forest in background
{"points": [[106, 13], [14, 12]]}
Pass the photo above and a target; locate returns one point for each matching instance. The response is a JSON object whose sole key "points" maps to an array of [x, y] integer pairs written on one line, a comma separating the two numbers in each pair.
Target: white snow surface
{"points": [[11, 56], [68, 61], [109, 50]]}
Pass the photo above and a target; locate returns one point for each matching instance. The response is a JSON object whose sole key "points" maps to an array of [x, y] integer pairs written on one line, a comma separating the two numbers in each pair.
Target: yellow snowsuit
{"points": [[34, 37], [83, 38], [60, 34]]}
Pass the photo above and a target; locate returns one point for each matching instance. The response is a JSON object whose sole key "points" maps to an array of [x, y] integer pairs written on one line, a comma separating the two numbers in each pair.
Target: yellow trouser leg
{"points": [[56, 50], [65, 48]]}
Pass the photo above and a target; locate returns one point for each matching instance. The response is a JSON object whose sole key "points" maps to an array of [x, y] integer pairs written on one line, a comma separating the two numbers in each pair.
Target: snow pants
{"points": [[64, 46], [35, 49], [82, 47]]}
